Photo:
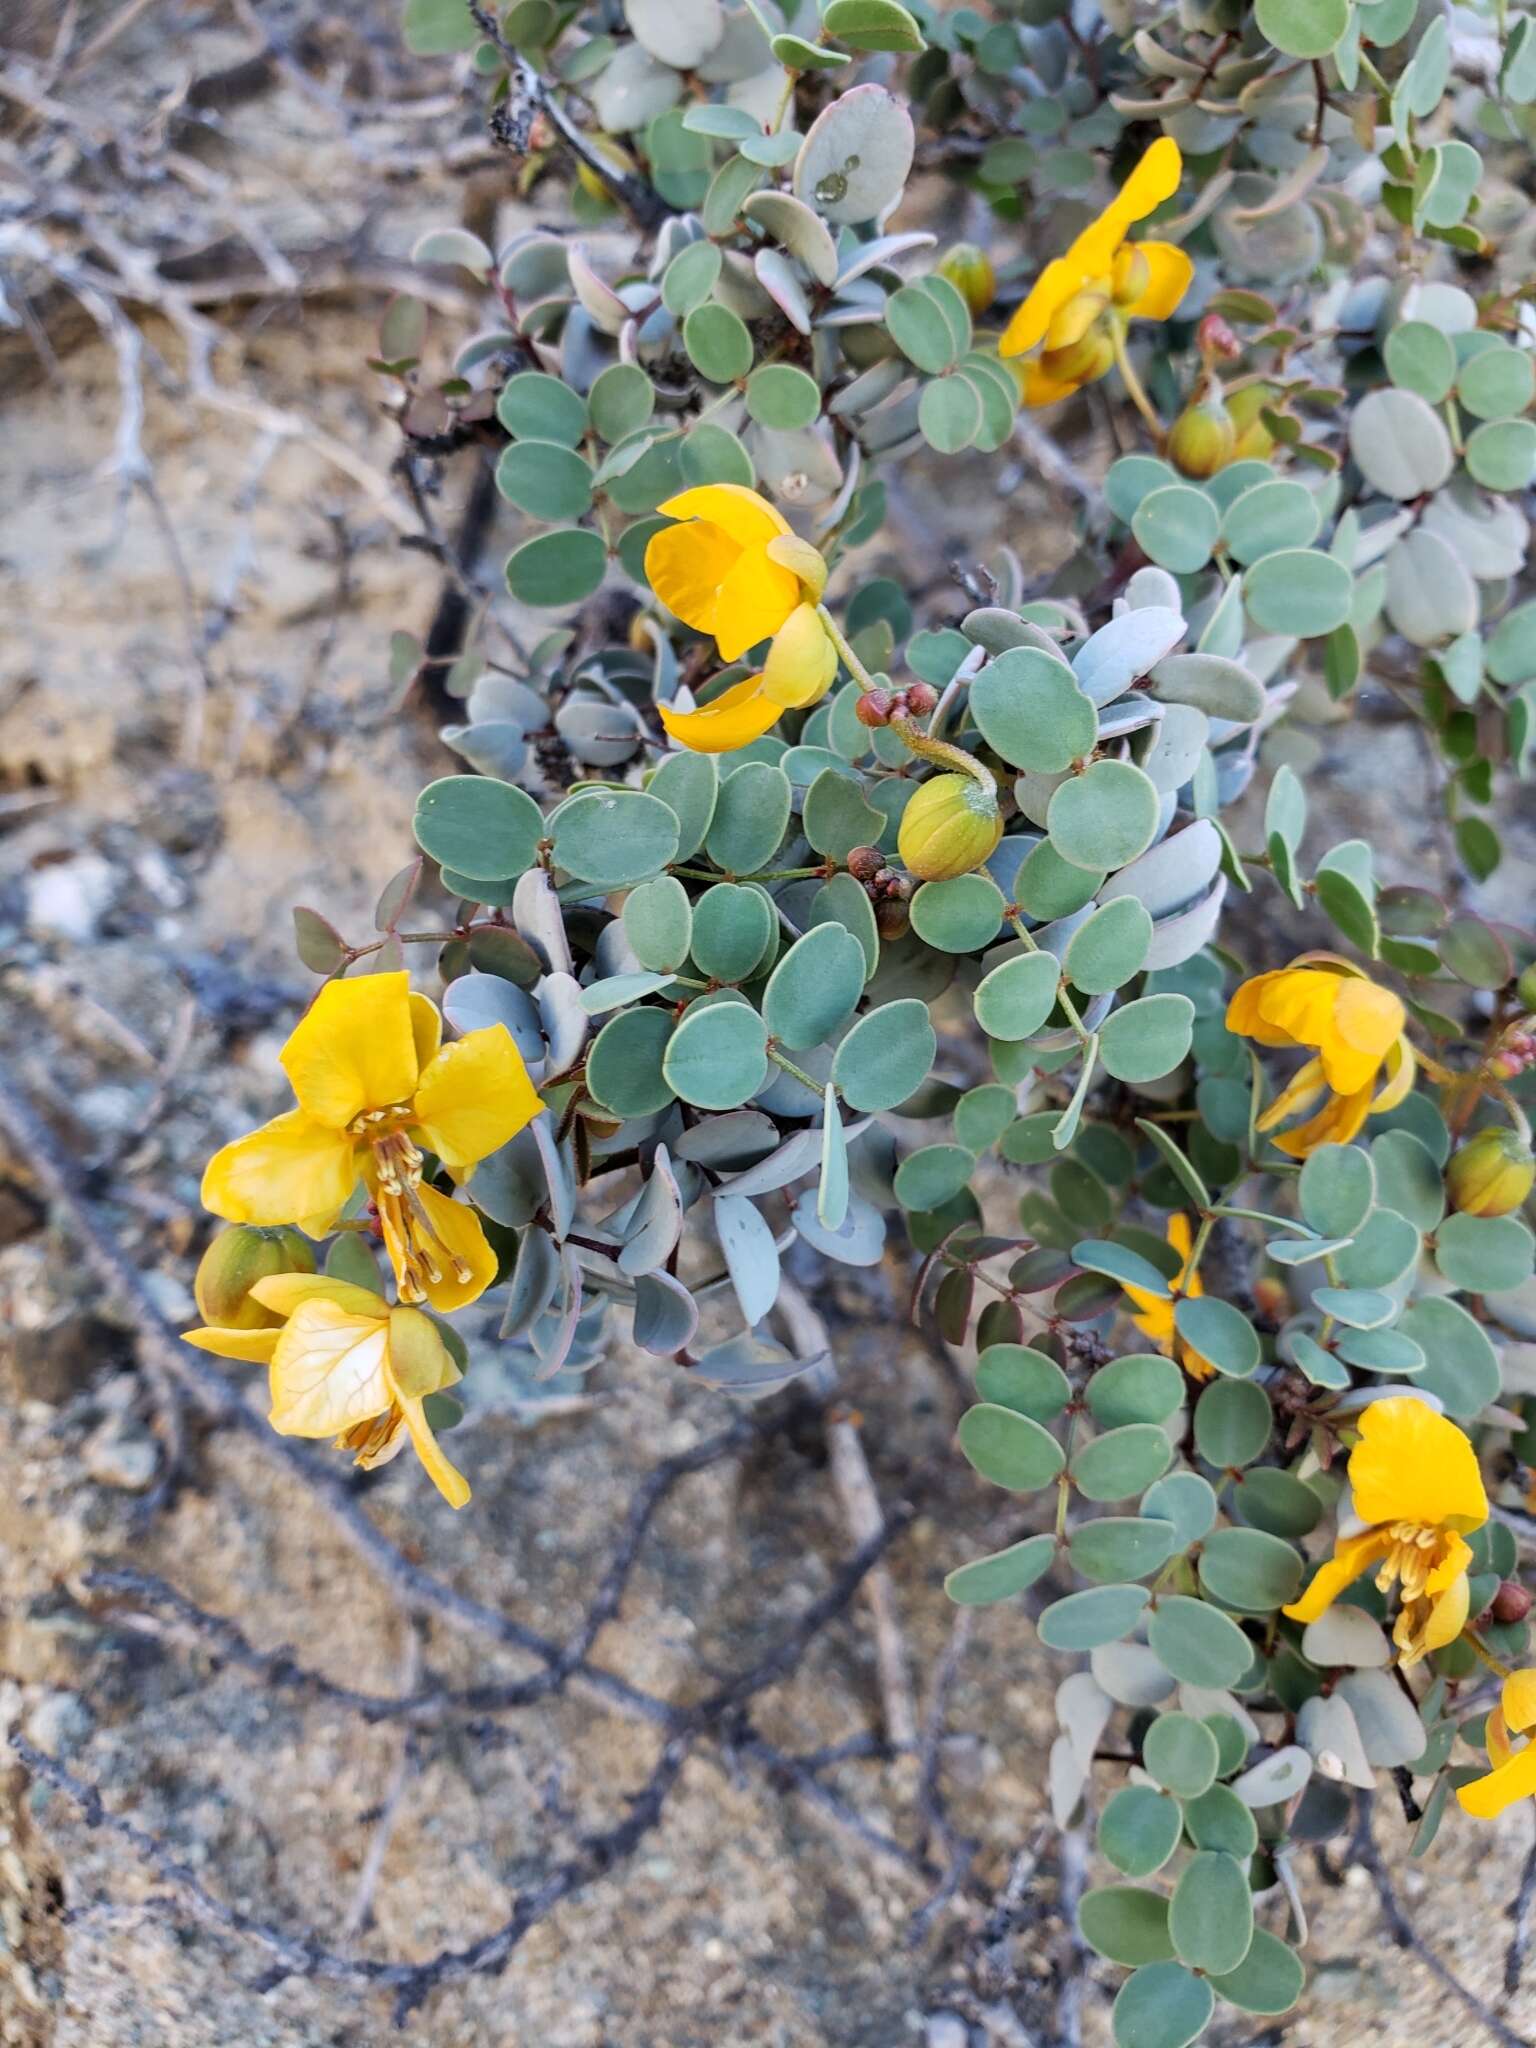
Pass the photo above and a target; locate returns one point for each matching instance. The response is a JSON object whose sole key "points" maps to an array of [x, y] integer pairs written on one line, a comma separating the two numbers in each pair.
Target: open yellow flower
{"points": [[344, 1364], [732, 568], [1356, 1029], [1514, 1770], [1417, 1490], [1077, 308], [1154, 1313], [376, 1089]]}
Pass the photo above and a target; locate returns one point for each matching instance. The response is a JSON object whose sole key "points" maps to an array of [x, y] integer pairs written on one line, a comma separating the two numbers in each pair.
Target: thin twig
{"points": [[1520, 1913], [933, 1812]]}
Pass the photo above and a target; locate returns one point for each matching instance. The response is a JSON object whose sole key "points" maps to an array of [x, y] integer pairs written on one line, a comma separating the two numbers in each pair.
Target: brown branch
{"points": [[1521, 1912]]}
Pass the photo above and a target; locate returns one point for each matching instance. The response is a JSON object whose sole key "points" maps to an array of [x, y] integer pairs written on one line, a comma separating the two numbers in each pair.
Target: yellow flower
{"points": [[1080, 300], [1514, 1770], [344, 1364], [1417, 1489], [376, 1089], [1154, 1317], [732, 568], [1356, 1029]]}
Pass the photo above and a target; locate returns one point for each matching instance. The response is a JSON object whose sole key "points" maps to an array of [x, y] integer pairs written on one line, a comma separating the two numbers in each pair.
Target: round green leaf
{"points": [[1008, 1448], [1184, 1499], [982, 1115], [958, 916], [1125, 1923], [782, 397], [1463, 1368], [1221, 1334], [1218, 1819], [1030, 709], [1121, 1462], [1497, 382], [1176, 526], [1484, 1254], [1273, 515], [919, 329], [477, 827], [1209, 683], [1006, 1572], [1014, 1000], [1142, 1387], [1303, 28], [949, 414], [658, 923], [1104, 817], [544, 479], [1084, 1621], [1013, 1376], [1162, 2005], [1400, 444], [1299, 591], [933, 1175], [751, 815], [688, 783], [814, 989], [1245, 1569], [1233, 1421], [612, 837], [1211, 1917], [1422, 359], [1268, 1980], [1144, 1040], [690, 278], [1337, 1189], [533, 406], [624, 1063], [1196, 1643], [886, 1056], [732, 930], [717, 1057], [621, 400], [1501, 454], [1276, 1502], [1119, 1547], [559, 568], [872, 25], [1104, 953], [1139, 1830], [718, 343], [1181, 1754]]}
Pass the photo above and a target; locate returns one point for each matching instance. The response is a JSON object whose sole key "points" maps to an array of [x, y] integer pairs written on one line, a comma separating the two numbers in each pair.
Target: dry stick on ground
{"points": [[1363, 1850], [959, 1850], [1520, 1913]]}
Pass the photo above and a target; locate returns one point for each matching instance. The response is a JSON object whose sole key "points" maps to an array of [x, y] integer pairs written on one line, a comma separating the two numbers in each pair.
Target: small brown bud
{"points": [[1216, 340], [1511, 1602], [874, 708], [921, 698], [865, 862], [890, 917]]}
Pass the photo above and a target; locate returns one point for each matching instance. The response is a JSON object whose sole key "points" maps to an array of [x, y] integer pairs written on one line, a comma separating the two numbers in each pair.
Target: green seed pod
{"points": [[236, 1259], [970, 271], [1202, 438], [1491, 1175], [951, 825]]}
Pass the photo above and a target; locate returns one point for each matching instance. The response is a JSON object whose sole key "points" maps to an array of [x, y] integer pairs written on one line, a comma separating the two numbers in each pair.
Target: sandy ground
{"points": [[157, 826]]}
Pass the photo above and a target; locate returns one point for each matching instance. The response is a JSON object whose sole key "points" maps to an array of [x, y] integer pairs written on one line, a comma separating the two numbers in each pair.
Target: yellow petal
{"points": [[282, 1293], [749, 519], [1519, 1700], [686, 565], [1154, 179], [474, 1096], [1448, 1611], [328, 1370], [755, 600], [1170, 274], [445, 1476], [462, 1236], [1401, 1065], [802, 561], [1299, 1002], [291, 1170], [1339, 1120], [418, 1362], [252, 1347], [1060, 280], [736, 717], [1072, 320], [801, 662], [1486, 1798], [1412, 1465], [1041, 388], [353, 1049], [1154, 1317], [426, 1029], [1245, 1013], [1367, 1022], [1299, 1094], [1352, 1556]]}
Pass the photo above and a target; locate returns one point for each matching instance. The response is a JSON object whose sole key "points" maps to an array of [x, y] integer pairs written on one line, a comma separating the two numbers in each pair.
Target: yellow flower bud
{"points": [[1081, 363], [1131, 274], [1491, 1175], [1202, 438], [969, 270], [1254, 440], [236, 1259], [950, 826]]}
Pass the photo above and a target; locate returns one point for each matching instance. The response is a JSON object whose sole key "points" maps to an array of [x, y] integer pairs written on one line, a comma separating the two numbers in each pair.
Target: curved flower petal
{"points": [[462, 1236], [755, 600], [801, 662], [282, 1293], [1414, 1465], [1299, 1001], [1245, 1012], [802, 561], [1519, 1700], [328, 1370], [444, 1475], [426, 1029], [1352, 1557], [1041, 388], [1154, 179], [1486, 1798], [474, 1096], [1401, 1064], [1298, 1095], [748, 518], [291, 1170], [353, 1049], [1170, 274], [1367, 1022], [419, 1363], [1072, 320], [736, 717], [1060, 280], [686, 565], [251, 1347], [1340, 1119]]}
